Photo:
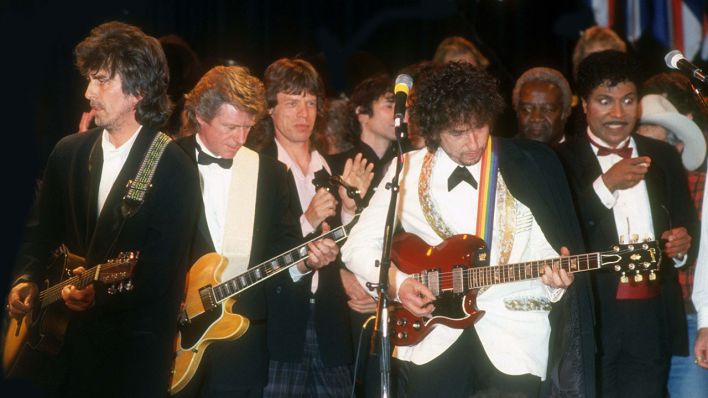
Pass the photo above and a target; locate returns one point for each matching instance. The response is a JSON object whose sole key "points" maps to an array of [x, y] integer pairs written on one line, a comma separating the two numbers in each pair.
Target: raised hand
{"points": [[626, 173], [323, 205], [86, 119], [358, 172]]}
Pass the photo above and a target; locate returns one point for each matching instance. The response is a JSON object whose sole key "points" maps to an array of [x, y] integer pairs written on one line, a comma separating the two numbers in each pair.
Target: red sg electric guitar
{"points": [[455, 269]]}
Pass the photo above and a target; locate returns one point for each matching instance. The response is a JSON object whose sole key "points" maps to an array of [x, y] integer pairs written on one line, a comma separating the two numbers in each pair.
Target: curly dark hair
{"points": [[139, 61], [450, 94], [606, 67]]}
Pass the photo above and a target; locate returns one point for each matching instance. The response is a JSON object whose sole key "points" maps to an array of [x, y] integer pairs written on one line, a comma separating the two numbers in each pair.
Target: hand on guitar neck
{"points": [[557, 278], [78, 299], [418, 299], [320, 253]]}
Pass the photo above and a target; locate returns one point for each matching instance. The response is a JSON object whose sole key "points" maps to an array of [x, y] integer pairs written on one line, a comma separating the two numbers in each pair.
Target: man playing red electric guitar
{"points": [[528, 341]]}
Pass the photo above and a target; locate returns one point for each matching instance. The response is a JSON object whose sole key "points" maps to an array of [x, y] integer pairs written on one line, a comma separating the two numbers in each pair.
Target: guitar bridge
{"points": [[206, 294]]}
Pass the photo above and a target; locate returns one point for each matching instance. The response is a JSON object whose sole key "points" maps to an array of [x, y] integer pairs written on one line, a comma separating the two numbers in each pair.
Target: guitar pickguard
{"points": [[193, 330]]}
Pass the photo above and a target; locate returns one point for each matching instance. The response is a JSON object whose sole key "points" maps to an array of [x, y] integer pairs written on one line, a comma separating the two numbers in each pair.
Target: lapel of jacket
{"points": [[95, 165], [110, 219], [189, 144]]}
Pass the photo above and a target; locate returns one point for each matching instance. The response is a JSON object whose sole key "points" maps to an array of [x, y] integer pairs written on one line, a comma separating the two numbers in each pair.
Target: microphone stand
{"points": [[382, 316]]}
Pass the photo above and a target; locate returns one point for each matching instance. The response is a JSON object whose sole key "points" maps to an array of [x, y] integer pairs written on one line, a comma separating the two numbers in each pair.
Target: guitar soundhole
{"points": [[450, 305], [194, 329]]}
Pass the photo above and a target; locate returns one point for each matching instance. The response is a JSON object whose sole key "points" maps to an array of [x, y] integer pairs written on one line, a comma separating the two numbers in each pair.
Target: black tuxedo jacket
{"points": [[288, 309], [275, 230], [671, 207], [122, 345], [534, 176]]}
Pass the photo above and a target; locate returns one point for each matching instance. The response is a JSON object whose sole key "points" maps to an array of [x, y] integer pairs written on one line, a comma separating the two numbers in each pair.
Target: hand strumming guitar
{"points": [[21, 299]]}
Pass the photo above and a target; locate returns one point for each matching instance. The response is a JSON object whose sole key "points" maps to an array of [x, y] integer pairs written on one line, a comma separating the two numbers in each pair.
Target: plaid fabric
{"points": [[696, 183], [309, 377]]}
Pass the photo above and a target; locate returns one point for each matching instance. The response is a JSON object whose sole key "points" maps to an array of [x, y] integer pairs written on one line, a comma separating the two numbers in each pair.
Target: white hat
{"points": [[658, 110]]}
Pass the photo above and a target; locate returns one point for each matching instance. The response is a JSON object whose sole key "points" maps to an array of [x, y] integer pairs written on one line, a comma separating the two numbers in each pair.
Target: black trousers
{"points": [[463, 370], [634, 356]]}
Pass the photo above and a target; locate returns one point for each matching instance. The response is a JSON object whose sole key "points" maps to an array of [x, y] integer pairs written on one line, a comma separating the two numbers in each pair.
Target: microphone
{"points": [[401, 88], [675, 60]]}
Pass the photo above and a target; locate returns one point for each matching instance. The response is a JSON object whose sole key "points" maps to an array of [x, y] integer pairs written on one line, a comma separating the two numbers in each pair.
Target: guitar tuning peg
{"points": [[631, 266], [635, 238], [120, 287], [638, 277], [652, 275], [624, 278], [621, 240], [111, 290], [129, 285]]}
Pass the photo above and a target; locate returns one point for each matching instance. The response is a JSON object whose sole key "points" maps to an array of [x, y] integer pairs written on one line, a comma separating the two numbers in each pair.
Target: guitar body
{"points": [[201, 326], [454, 307], [40, 334]]}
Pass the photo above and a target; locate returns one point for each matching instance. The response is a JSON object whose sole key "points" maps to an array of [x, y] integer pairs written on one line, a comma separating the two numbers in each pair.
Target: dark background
{"points": [[346, 39]]}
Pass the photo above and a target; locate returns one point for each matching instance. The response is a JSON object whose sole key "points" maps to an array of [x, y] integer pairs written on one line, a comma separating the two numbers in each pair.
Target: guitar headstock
{"points": [[118, 271], [633, 260]]}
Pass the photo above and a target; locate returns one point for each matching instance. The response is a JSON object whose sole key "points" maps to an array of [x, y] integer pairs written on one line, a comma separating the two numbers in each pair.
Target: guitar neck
{"points": [[275, 265], [487, 276], [53, 293]]}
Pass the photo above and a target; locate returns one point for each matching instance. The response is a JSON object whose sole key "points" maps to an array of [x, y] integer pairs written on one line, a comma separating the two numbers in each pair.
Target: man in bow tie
{"points": [[247, 217], [630, 188], [454, 106]]}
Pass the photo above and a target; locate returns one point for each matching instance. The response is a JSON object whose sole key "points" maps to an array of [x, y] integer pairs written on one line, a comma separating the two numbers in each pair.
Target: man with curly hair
{"points": [[454, 106], [630, 188]]}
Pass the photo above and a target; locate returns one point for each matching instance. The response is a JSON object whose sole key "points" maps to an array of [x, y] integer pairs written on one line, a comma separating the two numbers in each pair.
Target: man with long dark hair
{"points": [[120, 187]]}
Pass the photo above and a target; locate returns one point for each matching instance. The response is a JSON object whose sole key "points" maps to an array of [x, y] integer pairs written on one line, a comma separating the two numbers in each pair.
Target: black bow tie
{"points": [[206, 159], [460, 174]]}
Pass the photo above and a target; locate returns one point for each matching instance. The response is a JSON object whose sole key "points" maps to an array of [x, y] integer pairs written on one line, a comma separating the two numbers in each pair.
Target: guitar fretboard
{"points": [[461, 279], [275, 265], [53, 294]]}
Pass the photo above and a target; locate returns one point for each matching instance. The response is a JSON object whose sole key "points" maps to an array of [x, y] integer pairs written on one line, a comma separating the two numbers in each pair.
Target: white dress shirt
{"points": [[630, 206], [113, 161], [306, 191], [700, 279], [516, 341], [215, 183]]}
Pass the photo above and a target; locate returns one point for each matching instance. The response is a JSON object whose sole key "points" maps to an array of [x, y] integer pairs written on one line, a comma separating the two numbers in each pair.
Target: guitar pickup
{"points": [[206, 294]]}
